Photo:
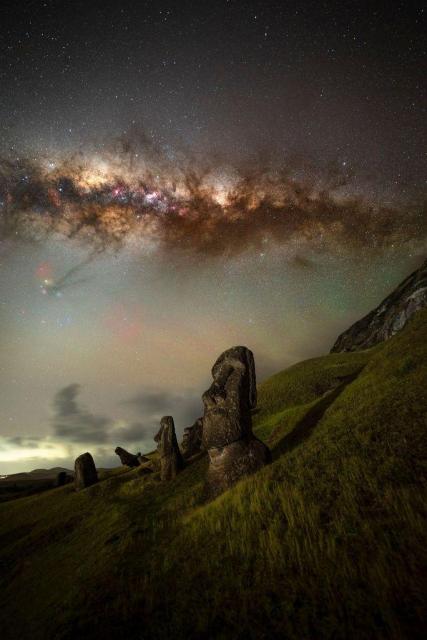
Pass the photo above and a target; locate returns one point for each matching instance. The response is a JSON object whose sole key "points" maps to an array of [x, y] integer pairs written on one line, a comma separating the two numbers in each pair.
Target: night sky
{"points": [[178, 179]]}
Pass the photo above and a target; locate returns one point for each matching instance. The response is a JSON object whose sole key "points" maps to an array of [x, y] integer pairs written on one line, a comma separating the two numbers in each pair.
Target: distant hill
{"points": [[326, 542], [37, 473], [18, 485], [389, 317]]}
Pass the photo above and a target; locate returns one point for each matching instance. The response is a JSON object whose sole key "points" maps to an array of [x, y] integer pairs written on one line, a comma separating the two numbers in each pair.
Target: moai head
{"points": [[166, 437], [171, 461], [230, 399], [126, 458], [192, 439]]}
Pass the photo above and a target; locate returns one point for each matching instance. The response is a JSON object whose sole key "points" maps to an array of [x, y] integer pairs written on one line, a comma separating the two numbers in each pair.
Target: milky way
{"points": [[107, 203]]}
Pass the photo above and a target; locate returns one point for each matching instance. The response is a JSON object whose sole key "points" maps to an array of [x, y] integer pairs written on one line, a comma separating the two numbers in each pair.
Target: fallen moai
{"points": [[130, 459]]}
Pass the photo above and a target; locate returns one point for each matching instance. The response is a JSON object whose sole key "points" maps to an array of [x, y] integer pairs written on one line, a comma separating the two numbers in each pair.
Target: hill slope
{"points": [[327, 541]]}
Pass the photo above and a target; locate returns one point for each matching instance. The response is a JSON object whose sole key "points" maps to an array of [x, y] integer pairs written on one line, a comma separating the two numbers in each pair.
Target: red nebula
{"points": [[123, 323], [44, 271]]}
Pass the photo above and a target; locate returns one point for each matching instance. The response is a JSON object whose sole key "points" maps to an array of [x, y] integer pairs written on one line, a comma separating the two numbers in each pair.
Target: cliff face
{"points": [[389, 317]]}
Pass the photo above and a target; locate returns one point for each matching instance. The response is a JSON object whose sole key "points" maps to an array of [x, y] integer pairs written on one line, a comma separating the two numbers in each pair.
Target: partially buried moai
{"points": [[192, 439], [85, 473], [234, 451], [171, 460], [63, 478]]}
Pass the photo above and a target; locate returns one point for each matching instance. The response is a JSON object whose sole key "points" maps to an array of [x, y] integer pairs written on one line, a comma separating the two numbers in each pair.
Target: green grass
{"points": [[327, 542]]}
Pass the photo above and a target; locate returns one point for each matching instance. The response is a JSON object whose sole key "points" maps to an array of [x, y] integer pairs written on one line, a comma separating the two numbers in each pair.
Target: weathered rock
{"points": [[129, 459], [389, 317], [85, 473], [192, 439], [234, 452], [171, 460]]}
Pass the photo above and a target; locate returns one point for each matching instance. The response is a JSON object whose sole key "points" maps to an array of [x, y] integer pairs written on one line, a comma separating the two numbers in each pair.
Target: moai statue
{"points": [[234, 451], [129, 459], [84, 472], [63, 478], [171, 460], [192, 439]]}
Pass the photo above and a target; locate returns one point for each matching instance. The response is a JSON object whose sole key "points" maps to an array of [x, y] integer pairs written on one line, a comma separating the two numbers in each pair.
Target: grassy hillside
{"points": [[327, 542]]}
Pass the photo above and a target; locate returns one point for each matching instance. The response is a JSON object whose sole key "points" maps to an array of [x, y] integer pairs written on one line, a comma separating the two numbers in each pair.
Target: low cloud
{"points": [[151, 403], [185, 407], [133, 432], [74, 423], [75, 429], [20, 442]]}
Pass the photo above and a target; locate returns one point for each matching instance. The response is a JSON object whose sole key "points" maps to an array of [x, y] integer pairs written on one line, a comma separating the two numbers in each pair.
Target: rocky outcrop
{"points": [[171, 460], [233, 450], [192, 439], [389, 317], [130, 459], [85, 473]]}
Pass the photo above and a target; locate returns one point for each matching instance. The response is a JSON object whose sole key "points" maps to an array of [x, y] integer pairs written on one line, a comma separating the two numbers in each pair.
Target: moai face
{"points": [[229, 400], [192, 439], [165, 437], [171, 461]]}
